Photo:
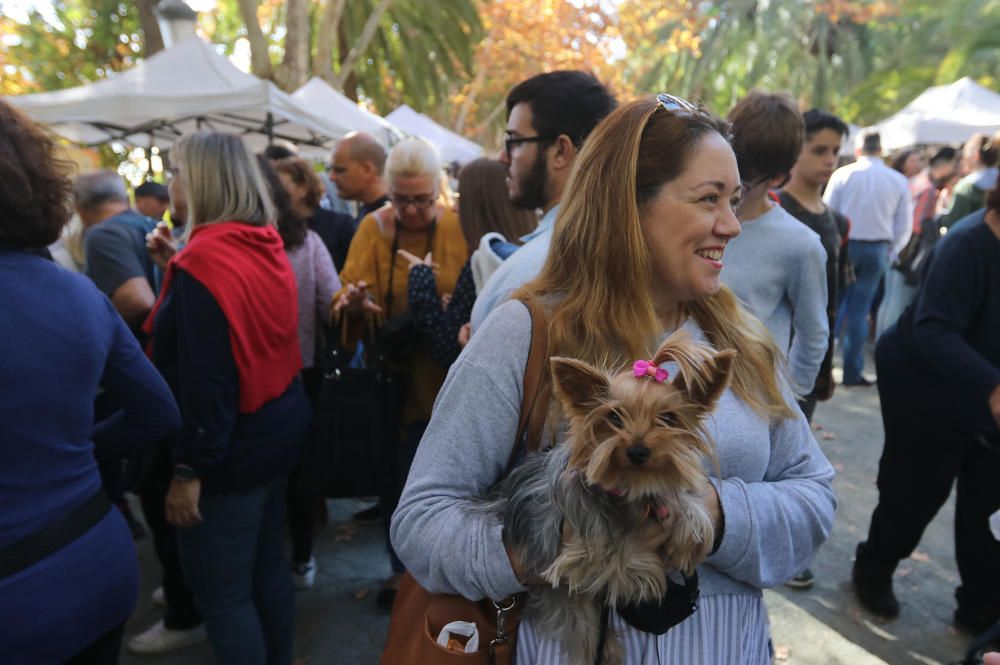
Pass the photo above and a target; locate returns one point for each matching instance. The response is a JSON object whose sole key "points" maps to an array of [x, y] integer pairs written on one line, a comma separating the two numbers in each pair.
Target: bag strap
{"points": [[532, 420]]}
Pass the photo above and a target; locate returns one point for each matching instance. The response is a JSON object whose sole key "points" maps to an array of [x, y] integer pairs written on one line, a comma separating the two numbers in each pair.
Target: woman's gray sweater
{"points": [[775, 490]]}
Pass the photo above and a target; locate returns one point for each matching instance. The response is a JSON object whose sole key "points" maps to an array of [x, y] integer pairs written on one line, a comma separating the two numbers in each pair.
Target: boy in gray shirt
{"points": [[777, 266]]}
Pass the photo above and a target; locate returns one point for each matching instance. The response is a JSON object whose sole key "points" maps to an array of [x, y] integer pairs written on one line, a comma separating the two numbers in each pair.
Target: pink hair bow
{"points": [[643, 368]]}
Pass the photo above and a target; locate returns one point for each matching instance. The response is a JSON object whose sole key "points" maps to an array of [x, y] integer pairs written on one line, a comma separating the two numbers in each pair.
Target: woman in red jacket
{"points": [[225, 336]]}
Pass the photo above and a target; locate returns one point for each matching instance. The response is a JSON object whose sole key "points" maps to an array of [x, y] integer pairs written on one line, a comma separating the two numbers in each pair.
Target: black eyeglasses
{"points": [[421, 202], [510, 141], [676, 105]]}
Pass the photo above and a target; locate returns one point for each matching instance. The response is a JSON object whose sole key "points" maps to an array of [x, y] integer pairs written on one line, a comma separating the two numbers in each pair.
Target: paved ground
{"points": [[337, 623]]}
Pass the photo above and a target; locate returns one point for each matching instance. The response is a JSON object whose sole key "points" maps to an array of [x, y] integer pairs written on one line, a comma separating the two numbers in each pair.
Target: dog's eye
{"points": [[667, 419], [615, 418]]}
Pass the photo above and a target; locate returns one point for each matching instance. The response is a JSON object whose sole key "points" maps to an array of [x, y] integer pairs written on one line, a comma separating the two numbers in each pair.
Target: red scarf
{"points": [[247, 272]]}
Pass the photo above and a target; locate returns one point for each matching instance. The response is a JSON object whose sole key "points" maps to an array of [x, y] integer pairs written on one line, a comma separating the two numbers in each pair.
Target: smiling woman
{"points": [[636, 253]]}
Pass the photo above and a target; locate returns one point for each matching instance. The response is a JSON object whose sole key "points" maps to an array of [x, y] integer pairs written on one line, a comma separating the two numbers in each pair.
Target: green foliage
{"points": [[88, 40], [421, 54], [864, 61]]}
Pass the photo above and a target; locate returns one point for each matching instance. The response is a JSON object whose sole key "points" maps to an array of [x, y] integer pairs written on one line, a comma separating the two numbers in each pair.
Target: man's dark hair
{"points": [[871, 143], [565, 102], [274, 152], [153, 190], [817, 120], [943, 156], [767, 135]]}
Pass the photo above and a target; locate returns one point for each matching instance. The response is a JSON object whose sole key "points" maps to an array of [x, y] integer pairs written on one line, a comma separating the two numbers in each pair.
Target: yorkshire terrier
{"points": [[604, 517]]}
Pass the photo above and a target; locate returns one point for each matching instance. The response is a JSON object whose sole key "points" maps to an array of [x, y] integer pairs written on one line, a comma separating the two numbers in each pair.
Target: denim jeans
{"points": [[389, 500], [898, 296], [870, 260], [234, 562]]}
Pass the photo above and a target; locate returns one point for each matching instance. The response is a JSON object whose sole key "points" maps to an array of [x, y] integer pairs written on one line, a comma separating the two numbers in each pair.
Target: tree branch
{"points": [[260, 59], [326, 35], [151, 37], [292, 72], [360, 46]]}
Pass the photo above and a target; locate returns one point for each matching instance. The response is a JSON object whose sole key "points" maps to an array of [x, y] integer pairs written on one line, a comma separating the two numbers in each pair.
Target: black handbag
{"points": [[914, 256], [357, 427]]}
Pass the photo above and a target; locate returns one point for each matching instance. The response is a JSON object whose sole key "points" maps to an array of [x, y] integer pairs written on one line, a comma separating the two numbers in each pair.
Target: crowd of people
{"points": [[182, 356]]}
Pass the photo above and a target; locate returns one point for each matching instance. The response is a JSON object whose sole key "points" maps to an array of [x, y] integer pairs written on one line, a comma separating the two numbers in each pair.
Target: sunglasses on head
{"points": [[676, 105]]}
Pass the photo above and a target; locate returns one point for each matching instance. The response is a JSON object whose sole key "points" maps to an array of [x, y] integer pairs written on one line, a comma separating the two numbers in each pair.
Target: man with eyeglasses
{"points": [[356, 169], [548, 118]]}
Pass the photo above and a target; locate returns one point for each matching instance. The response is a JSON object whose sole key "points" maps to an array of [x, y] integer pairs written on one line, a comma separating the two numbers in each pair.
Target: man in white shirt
{"points": [[877, 201]]}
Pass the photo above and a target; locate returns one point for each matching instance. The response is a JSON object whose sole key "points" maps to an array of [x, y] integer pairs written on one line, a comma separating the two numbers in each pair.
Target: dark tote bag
{"points": [[913, 258], [357, 425]]}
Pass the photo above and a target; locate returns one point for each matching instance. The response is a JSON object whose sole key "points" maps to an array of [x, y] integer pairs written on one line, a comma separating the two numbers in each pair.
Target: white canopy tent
{"points": [[186, 87], [941, 115], [319, 97], [453, 147]]}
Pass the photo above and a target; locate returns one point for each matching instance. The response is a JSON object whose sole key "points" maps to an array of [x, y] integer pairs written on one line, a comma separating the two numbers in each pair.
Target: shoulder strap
{"points": [[532, 419]]}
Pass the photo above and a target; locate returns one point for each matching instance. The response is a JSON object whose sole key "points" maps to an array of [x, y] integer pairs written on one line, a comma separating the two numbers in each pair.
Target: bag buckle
{"points": [[503, 608]]}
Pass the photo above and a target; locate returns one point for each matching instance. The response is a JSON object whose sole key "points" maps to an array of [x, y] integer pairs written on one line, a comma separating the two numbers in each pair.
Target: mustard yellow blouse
{"points": [[369, 259]]}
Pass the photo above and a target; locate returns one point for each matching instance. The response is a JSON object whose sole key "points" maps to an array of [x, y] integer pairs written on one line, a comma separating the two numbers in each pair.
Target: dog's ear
{"points": [[578, 386], [706, 386]]}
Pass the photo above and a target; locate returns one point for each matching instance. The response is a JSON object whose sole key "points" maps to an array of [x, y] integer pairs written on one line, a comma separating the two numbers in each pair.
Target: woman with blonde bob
{"points": [[375, 278], [635, 255], [225, 336]]}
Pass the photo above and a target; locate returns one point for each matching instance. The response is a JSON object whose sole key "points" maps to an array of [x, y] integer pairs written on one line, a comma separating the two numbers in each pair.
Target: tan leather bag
{"points": [[418, 615]]}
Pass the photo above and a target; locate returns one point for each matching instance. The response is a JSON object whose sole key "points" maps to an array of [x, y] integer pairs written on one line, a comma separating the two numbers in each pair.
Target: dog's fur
{"points": [[603, 527]]}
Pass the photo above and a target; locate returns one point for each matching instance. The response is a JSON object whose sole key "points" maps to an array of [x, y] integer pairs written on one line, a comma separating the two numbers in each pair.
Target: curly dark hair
{"points": [[291, 227], [35, 185]]}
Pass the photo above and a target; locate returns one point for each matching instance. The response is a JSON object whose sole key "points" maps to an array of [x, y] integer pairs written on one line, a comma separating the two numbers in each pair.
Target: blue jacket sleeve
{"points": [[951, 298], [207, 380], [149, 412], [775, 526]]}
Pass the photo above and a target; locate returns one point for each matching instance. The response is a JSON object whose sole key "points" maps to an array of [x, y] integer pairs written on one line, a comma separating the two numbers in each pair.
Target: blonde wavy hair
{"points": [[598, 255], [221, 181]]}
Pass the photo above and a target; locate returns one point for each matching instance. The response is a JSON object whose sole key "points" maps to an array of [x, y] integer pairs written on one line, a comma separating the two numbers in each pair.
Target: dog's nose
{"points": [[637, 454]]}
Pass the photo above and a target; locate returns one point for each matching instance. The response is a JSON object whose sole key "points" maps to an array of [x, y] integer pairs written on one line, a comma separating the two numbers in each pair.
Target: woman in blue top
{"points": [[68, 569]]}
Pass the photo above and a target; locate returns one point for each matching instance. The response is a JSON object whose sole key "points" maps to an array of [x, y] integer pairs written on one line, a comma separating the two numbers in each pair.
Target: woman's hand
{"points": [[355, 300], [182, 502], [991, 658], [464, 334], [995, 408], [161, 245], [413, 261]]}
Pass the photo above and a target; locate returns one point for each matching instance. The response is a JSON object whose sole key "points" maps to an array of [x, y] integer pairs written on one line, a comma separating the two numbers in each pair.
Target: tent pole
{"points": [[269, 128]]}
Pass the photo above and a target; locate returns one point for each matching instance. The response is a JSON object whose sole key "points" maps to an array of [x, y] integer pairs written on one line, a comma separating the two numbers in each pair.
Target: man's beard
{"points": [[531, 187]]}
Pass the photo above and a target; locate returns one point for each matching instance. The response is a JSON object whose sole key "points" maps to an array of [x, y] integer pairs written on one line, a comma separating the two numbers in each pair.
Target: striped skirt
{"points": [[727, 629]]}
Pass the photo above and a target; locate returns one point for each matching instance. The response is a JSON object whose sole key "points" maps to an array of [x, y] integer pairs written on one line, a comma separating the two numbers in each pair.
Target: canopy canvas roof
{"points": [[944, 114], [183, 88], [452, 147], [319, 97]]}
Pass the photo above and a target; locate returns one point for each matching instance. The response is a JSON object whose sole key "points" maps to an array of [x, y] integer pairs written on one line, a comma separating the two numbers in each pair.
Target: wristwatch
{"points": [[184, 472]]}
